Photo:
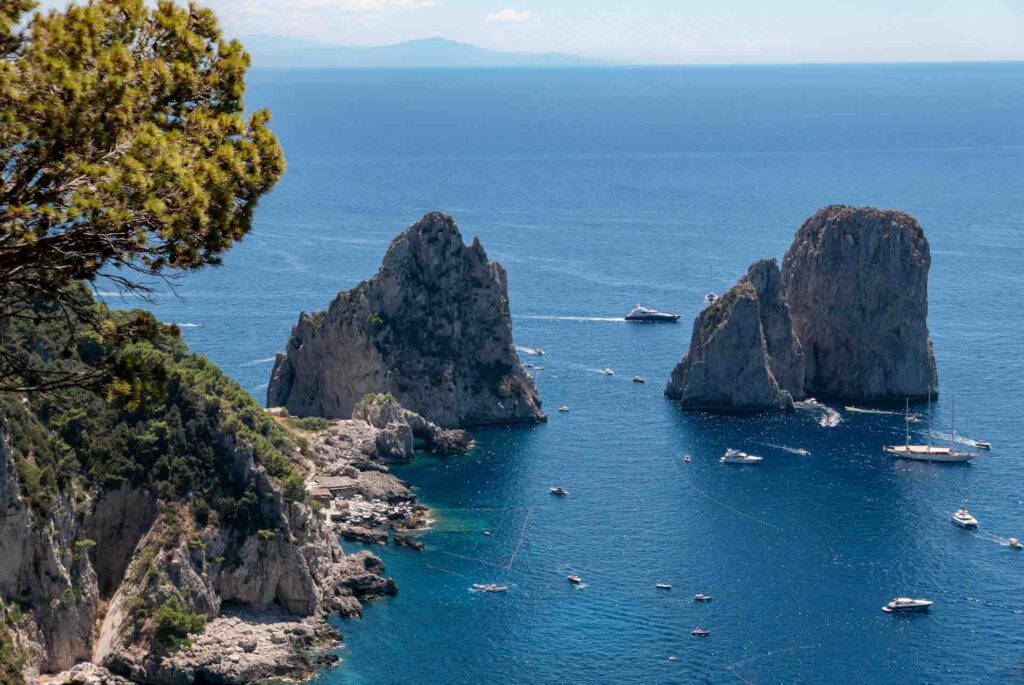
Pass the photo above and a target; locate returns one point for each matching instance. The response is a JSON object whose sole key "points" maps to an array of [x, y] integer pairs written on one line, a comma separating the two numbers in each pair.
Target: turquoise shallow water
{"points": [[601, 188]]}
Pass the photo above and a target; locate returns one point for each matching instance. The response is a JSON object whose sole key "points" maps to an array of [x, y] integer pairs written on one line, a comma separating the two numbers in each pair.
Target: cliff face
{"points": [[743, 355], [857, 280], [432, 328], [123, 528]]}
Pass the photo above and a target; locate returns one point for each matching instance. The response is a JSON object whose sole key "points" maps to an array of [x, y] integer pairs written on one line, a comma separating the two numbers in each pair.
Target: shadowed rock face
{"points": [[432, 328], [743, 355], [857, 280]]}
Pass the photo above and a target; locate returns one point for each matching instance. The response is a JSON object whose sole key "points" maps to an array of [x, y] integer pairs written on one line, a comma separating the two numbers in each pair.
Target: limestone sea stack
{"points": [[857, 280], [743, 355], [432, 328]]}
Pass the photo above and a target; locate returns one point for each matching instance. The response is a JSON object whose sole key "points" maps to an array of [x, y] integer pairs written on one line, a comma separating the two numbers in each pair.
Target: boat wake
{"points": [[827, 416], [258, 362], [792, 450], [532, 351], [949, 437], [189, 325], [602, 319], [862, 410]]}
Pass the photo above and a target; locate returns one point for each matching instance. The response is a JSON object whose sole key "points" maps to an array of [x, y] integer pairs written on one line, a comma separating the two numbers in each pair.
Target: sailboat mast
{"points": [[952, 418], [906, 425], [929, 419]]}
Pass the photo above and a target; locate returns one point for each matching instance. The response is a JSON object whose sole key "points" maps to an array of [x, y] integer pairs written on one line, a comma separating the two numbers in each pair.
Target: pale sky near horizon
{"points": [[658, 31]]}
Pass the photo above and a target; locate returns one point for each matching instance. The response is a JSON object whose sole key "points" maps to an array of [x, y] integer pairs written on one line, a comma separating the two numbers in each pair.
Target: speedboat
{"points": [[701, 597], [700, 632], [574, 579], [1014, 543], [558, 491], [736, 457], [906, 604], [639, 313], [663, 586], [981, 444], [687, 458], [490, 588], [711, 298], [961, 517], [563, 409], [639, 379], [487, 532], [606, 372]]}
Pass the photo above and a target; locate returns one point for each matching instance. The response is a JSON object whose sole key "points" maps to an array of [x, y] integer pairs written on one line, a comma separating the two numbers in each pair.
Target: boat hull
{"points": [[924, 453], [654, 318]]}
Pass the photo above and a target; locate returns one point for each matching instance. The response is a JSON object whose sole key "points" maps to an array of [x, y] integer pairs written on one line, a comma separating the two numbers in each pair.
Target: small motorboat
{"points": [[961, 517], [700, 632], [606, 372], [903, 605], [981, 444], [563, 409], [639, 313], [1014, 543], [701, 597], [490, 588], [732, 456], [539, 352], [487, 532], [711, 298], [574, 579], [687, 458], [558, 491], [639, 379], [663, 586]]}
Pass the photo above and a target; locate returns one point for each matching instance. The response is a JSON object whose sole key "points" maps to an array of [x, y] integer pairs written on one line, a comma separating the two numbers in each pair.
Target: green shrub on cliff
{"points": [[173, 623], [171, 425]]}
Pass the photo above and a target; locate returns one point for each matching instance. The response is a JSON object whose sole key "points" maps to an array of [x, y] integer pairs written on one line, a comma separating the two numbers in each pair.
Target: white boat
{"points": [[563, 408], [981, 444], [606, 372], [929, 452], [736, 457], [639, 313], [663, 586], [639, 379], [1014, 543], [490, 588], [701, 597], [574, 579], [711, 298], [902, 605], [961, 517], [558, 491]]}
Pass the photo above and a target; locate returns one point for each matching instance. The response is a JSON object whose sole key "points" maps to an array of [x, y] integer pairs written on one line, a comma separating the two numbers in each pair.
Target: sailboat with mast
{"points": [[929, 452], [962, 517]]}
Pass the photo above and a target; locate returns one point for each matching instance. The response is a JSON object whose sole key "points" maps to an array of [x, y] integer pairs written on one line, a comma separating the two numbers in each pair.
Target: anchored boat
{"points": [[903, 605], [928, 452]]}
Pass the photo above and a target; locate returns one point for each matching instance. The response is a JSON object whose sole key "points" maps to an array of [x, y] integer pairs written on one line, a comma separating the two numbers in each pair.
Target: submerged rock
{"points": [[432, 328], [857, 280], [743, 355]]}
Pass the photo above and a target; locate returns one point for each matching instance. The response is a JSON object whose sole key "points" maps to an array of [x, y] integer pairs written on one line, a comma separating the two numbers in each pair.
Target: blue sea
{"points": [[601, 188]]}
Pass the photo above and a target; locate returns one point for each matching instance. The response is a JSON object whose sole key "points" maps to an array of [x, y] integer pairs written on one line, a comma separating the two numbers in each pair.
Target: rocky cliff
{"points": [[743, 355], [132, 523], [857, 280], [432, 328]]}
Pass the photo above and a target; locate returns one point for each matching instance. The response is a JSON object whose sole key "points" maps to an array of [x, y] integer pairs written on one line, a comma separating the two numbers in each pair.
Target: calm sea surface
{"points": [[601, 188]]}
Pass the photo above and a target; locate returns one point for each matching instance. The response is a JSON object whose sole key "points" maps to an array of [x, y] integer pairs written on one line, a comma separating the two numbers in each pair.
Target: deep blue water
{"points": [[600, 188]]}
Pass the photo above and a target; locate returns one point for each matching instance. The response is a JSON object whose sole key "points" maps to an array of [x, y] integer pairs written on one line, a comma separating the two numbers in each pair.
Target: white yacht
{"points": [[563, 409], [736, 457], [906, 604], [928, 452], [961, 517], [639, 313]]}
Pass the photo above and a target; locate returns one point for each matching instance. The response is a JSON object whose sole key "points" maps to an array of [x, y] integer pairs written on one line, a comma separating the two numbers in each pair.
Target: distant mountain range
{"points": [[281, 51]]}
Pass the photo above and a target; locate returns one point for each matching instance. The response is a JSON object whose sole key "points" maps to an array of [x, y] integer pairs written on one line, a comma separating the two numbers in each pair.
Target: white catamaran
{"points": [[929, 452]]}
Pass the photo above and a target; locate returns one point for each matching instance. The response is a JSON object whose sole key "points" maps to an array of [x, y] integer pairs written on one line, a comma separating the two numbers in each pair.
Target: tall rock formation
{"points": [[857, 280], [432, 328], [743, 355]]}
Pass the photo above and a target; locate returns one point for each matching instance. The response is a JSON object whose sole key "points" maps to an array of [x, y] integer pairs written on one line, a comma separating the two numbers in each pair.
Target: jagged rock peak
{"points": [[432, 328], [857, 280], [743, 355]]}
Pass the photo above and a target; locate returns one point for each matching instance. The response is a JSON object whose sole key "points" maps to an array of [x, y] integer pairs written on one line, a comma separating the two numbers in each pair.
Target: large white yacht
{"points": [[639, 313], [906, 604], [736, 457]]}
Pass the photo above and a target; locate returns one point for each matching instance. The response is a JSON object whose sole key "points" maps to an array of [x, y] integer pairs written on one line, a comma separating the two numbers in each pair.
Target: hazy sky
{"points": [[675, 31]]}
